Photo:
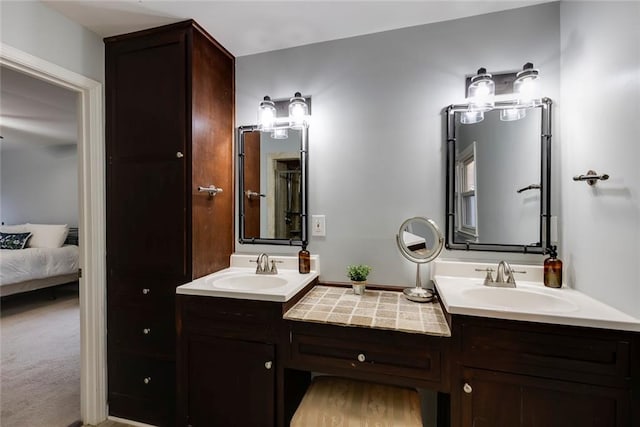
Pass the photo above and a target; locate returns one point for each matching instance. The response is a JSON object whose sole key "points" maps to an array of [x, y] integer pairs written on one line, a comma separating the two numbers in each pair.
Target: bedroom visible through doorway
{"points": [[40, 308]]}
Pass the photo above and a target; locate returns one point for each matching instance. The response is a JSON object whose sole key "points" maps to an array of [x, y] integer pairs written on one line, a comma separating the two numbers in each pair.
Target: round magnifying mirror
{"points": [[421, 241]]}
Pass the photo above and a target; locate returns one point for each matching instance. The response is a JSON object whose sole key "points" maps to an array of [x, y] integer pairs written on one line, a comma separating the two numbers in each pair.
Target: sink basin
{"points": [[518, 299], [248, 282]]}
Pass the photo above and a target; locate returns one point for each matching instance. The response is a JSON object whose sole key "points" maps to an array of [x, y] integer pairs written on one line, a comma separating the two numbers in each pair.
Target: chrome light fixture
{"points": [[298, 111], [280, 133], [481, 91], [511, 114], [527, 86], [470, 117], [266, 114]]}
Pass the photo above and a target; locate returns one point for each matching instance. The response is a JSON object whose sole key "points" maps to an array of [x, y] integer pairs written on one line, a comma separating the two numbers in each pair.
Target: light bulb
{"points": [[266, 114], [280, 133], [298, 111], [512, 114], [481, 91], [527, 86]]}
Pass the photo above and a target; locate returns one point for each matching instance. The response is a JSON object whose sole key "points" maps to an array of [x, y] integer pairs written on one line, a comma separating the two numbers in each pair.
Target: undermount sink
{"points": [[248, 282], [518, 299]]}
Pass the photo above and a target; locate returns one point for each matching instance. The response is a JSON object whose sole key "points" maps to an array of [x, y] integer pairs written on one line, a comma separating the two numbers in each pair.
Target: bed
{"points": [[32, 268]]}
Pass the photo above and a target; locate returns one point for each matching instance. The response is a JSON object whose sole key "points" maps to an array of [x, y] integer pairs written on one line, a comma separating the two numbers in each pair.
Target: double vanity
{"points": [[524, 356]]}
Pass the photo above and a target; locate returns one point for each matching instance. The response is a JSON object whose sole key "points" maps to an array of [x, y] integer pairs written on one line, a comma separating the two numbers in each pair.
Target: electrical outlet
{"points": [[318, 226]]}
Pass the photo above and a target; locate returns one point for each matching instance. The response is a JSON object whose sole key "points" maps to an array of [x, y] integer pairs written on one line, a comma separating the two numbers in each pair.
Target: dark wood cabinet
{"points": [[169, 129], [228, 361], [524, 374]]}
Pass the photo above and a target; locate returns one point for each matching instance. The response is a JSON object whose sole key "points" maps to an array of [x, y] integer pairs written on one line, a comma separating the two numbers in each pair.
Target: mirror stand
{"points": [[420, 241], [418, 294]]}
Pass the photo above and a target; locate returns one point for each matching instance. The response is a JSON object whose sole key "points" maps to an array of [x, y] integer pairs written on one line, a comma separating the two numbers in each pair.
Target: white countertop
{"points": [[456, 281], [258, 287]]}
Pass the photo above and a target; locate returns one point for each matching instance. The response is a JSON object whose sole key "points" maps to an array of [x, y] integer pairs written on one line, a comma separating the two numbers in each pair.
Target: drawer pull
{"points": [[147, 380], [467, 388], [146, 331], [146, 291], [361, 357], [268, 364]]}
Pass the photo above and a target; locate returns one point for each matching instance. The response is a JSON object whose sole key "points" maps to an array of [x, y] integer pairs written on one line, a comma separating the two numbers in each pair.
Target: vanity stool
{"points": [[334, 401]]}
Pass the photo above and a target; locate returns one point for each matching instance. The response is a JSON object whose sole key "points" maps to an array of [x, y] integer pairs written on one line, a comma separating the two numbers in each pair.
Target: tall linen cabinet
{"points": [[169, 130]]}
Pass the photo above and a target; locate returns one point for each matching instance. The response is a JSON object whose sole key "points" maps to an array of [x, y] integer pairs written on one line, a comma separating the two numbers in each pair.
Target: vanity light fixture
{"points": [[297, 118], [470, 117], [481, 91], [527, 86], [280, 133], [298, 111], [511, 114], [266, 114]]}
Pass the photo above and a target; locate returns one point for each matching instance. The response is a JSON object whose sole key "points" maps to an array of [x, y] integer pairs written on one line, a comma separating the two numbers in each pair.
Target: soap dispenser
{"points": [[304, 261], [553, 269]]}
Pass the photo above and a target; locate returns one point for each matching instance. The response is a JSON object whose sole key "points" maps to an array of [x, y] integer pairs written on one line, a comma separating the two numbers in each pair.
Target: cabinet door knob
{"points": [[147, 380], [268, 364], [361, 357], [467, 388], [146, 291], [146, 331], [179, 155]]}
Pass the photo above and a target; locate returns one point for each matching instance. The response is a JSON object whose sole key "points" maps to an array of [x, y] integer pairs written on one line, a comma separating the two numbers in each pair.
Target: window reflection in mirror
{"points": [[497, 180], [272, 176]]}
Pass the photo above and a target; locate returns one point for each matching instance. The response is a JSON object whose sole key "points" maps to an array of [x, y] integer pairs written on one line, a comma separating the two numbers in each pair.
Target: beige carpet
{"points": [[40, 371]]}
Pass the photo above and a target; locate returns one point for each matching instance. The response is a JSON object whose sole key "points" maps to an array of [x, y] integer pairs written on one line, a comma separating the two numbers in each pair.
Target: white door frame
{"points": [[91, 223]]}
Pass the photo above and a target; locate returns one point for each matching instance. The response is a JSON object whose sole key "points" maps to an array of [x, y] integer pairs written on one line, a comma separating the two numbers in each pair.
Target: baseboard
{"points": [[128, 422]]}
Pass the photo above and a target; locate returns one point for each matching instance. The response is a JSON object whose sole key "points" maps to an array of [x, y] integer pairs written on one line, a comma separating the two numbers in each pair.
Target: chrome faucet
{"points": [[263, 267], [505, 269], [504, 276]]}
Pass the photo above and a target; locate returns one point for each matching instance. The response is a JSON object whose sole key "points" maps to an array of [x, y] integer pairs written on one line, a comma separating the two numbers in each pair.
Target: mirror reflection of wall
{"points": [[273, 185], [506, 156]]}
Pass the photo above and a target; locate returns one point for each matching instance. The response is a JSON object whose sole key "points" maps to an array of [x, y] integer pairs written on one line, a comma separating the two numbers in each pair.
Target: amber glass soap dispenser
{"points": [[553, 270], [304, 261]]}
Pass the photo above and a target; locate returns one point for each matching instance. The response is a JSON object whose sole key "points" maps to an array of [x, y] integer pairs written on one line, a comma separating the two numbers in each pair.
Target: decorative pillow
{"points": [[13, 240], [18, 228], [47, 235]]}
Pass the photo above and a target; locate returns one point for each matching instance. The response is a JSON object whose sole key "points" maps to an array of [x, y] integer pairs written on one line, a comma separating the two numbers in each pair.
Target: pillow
{"points": [[18, 228], [47, 235], [13, 240]]}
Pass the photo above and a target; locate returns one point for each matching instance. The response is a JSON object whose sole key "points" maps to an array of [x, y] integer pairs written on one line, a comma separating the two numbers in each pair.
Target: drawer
{"points": [[403, 358], [150, 329], [139, 291], [577, 354], [230, 318], [153, 411], [141, 376]]}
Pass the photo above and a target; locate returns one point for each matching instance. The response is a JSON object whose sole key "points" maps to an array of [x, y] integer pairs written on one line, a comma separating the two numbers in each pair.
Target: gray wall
{"points": [[40, 185], [600, 131], [376, 137], [33, 27]]}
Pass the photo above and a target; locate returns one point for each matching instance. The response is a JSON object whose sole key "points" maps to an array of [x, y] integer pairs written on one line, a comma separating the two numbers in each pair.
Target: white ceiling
{"points": [[249, 27], [35, 112]]}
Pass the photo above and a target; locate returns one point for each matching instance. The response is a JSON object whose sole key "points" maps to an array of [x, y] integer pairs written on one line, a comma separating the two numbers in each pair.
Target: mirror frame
{"points": [[545, 183], [304, 166], [408, 254]]}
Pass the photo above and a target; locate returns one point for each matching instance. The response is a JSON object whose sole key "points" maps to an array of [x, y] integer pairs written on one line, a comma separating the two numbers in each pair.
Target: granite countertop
{"points": [[375, 309]]}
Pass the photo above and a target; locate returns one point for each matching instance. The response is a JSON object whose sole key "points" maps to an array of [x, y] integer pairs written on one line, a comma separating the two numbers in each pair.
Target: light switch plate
{"points": [[318, 226]]}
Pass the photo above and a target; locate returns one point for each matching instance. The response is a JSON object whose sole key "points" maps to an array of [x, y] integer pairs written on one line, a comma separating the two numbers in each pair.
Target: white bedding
{"points": [[19, 265]]}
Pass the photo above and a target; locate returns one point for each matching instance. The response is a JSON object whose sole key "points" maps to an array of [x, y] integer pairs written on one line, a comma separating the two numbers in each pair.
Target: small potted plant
{"points": [[358, 276]]}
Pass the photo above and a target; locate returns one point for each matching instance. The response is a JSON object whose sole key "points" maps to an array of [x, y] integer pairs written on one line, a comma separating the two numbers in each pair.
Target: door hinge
{"points": [[79, 273]]}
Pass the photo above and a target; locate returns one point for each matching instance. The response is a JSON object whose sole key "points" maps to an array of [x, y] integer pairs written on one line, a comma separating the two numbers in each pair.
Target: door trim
{"points": [[91, 221]]}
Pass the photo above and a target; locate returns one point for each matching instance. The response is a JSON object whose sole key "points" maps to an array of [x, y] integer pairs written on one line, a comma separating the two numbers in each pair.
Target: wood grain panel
{"points": [[251, 183]]}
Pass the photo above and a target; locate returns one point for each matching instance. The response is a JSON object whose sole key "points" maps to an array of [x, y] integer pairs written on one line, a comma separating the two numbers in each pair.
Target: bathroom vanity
{"points": [[248, 362]]}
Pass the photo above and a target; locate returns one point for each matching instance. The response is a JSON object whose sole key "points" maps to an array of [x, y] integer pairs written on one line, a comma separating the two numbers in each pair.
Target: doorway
{"points": [[91, 159]]}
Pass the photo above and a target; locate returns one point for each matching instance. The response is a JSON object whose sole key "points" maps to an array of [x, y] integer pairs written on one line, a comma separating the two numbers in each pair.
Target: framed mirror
{"points": [[272, 185], [498, 192]]}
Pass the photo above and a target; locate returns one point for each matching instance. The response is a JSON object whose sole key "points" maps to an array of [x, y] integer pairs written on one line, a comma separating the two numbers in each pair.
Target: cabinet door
{"points": [[147, 160], [496, 399], [230, 383]]}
